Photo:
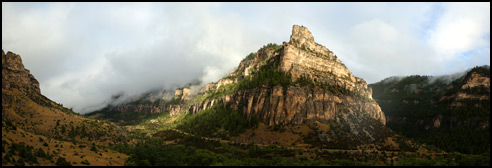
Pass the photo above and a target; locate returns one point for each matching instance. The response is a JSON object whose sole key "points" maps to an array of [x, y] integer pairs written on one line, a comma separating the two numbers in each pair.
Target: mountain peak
{"points": [[15, 75], [12, 61], [301, 35]]}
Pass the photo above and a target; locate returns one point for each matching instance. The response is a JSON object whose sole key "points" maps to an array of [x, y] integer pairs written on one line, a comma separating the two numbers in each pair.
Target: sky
{"points": [[82, 54]]}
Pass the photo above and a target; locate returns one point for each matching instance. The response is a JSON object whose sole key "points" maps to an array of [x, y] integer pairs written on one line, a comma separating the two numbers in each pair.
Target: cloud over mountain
{"points": [[84, 53]]}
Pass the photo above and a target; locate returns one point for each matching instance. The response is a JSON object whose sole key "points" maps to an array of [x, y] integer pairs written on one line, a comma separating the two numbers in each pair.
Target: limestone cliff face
{"points": [[178, 93], [296, 104], [186, 94], [183, 94], [303, 56], [292, 105], [334, 94], [14, 75], [210, 87]]}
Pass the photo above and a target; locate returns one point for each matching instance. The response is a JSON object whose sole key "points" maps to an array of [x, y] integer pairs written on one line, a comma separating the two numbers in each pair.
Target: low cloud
{"points": [[447, 79], [84, 56], [85, 53]]}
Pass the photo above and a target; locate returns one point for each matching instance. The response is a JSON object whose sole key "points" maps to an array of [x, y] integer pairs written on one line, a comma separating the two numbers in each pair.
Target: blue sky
{"points": [[83, 53]]}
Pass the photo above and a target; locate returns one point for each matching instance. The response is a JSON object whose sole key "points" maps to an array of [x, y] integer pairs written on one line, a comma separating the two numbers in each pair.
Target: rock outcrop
{"points": [[303, 56], [476, 80], [178, 93], [14, 75], [316, 87], [311, 85], [183, 94], [294, 104], [186, 94]]}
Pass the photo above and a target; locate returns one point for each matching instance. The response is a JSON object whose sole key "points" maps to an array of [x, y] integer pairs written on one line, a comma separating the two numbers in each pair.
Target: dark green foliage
{"points": [[63, 129], [128, 118], [483, 70], [122, 148], [303, 81], [41, 100], [9, 125], [40, 153], [25, 152], [269, 74], [294, 41], [86, 162], [3, 145], [219, 120], [94, 148], [452, 159], [343, 162], [83, 132], [419, 99], [175, 101], [153, 152], [6, 159], [303, 47], [20, 162], [249, 57], [62, 162], [60, 107], [331, 87], [222, 91], [72, 132], [273, 46]]}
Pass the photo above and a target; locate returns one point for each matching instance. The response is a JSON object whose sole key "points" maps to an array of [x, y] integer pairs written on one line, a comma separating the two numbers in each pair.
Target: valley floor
{"points": [[159, 136]]}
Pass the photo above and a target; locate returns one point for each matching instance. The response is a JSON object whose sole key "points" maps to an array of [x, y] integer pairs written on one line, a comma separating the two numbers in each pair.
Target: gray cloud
{"points": [[84, 53], [91, 54]]}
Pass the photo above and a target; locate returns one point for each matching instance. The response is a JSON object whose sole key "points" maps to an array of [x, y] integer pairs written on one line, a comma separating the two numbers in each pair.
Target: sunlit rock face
{"points": [[295, 104], [335, 95]]}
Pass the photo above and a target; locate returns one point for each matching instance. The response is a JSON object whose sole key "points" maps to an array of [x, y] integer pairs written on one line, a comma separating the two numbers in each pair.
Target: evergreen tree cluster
{"points": [[421, 101], [220, 121]]}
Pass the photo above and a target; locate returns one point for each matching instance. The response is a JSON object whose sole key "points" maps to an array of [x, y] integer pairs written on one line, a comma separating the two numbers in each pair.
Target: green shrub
{"points": [[249, 57], [62, 162], [219, 120], [86, 162], [93, 148]]}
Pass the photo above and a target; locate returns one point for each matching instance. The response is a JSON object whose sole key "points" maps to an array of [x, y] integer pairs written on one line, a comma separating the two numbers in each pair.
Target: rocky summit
{"points": [[334, 92], [14, 75], [296, 83]]}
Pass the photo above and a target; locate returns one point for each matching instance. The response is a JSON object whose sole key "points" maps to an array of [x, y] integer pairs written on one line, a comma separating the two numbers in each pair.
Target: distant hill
{"points": [[451, 112]]}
